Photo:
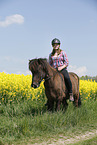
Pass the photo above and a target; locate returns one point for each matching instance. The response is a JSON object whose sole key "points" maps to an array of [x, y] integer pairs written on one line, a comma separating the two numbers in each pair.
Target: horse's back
{"points": [[74, 77], [75, 82]]}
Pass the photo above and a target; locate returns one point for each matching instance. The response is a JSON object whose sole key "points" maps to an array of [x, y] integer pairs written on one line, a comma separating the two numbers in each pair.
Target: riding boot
{"points": [[71, 97]]}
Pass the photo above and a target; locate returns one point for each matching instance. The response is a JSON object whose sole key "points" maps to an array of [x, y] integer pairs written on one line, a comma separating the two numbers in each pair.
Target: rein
{"points": [[47, 77], [50, 76]]}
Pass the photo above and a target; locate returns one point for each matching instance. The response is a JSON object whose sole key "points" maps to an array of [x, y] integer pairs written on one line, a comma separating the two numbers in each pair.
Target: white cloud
{"points": [[19, 19], [80, 71]]}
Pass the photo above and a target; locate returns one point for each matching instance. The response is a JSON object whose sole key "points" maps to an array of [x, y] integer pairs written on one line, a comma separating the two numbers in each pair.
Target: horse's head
{"points": [[36, 66]]}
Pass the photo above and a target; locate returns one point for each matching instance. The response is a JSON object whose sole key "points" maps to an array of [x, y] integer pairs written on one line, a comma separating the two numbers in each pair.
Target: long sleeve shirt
{"points": [[60, 60]]}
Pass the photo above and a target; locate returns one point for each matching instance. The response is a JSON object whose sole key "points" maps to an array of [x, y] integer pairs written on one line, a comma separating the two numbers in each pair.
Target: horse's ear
{"points": [[45, 59], [39, 61]]}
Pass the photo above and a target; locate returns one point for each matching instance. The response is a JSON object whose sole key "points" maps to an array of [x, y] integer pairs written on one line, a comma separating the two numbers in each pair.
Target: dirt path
{"points": [[65, 141]]}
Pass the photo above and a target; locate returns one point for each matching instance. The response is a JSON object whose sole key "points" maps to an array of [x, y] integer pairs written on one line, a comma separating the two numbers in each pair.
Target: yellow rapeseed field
{"points": [[88, 89], [15, 87]]}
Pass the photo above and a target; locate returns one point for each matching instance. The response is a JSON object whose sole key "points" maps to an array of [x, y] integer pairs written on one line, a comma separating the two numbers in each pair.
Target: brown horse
{"points": [[55, 88]]}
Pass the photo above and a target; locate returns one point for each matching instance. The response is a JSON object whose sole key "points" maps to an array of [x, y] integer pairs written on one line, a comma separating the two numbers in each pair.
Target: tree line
{"points": [[88, 78]]}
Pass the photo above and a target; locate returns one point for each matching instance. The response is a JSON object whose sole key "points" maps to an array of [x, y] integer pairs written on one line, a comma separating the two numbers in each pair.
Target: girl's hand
{"points": [[61, 67]]}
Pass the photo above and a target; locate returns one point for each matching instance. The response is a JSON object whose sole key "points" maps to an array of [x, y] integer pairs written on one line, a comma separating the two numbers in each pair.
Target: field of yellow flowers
{"points": [[15, 87]]}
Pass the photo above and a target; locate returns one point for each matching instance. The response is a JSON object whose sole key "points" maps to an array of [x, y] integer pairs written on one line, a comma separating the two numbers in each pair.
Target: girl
{"points": [[58, 59]]}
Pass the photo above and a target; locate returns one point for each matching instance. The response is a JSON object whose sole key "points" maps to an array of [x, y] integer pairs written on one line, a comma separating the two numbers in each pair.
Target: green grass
{"points": [[30, 121]]}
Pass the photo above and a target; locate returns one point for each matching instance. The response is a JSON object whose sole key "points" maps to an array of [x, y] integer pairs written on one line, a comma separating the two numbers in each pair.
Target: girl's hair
{"points": [[58, 51]]}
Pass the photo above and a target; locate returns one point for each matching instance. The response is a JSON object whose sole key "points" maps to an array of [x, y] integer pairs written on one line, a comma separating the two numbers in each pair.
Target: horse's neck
{"points": [[51, 71]]}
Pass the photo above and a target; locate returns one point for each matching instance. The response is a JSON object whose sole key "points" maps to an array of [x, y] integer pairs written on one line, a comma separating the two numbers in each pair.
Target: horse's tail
{"points": [[79, 98], [79, 101]]}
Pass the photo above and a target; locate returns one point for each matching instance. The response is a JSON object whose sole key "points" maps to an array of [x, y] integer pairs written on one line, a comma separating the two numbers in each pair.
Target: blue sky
{"points": [[27, 28]]}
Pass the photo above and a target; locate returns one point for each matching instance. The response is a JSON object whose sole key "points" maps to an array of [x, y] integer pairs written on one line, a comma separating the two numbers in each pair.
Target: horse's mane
{"points": [[33, 63]]}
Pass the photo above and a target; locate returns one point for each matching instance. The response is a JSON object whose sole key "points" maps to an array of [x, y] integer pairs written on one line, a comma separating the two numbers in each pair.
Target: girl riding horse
{"points": [[58, 59]]}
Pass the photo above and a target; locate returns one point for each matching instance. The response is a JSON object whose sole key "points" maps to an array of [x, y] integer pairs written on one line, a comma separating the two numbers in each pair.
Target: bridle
{"points": [[48, 77]]}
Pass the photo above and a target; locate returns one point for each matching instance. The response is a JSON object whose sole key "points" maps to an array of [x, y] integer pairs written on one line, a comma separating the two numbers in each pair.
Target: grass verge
{"points": [[30, 122]]}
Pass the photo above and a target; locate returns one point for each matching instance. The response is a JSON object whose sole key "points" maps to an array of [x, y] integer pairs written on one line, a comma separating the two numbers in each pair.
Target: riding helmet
{"points": [[55, 41]]}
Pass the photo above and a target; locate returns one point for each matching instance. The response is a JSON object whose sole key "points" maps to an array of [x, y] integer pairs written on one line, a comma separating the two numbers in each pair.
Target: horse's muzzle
{"points": [[34, 85]]}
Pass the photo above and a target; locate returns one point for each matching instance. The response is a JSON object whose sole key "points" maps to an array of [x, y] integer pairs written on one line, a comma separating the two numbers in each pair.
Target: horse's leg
{"points": [[50, 105], [47, 103], [65, 104], [58, 103], [76, 97]]}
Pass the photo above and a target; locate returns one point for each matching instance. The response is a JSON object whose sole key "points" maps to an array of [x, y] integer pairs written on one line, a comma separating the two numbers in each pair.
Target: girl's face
{"points": [[56, 46]]}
